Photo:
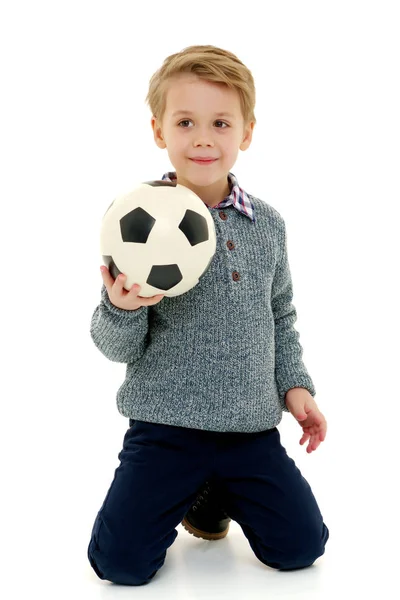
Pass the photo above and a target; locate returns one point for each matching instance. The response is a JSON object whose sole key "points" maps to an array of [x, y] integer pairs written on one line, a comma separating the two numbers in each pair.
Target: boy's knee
{"points": [[121, 570], [306, 553], [314, 547]]}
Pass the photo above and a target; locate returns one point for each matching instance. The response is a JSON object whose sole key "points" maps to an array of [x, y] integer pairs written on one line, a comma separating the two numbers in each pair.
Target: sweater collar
{"points": [[237, 196]]}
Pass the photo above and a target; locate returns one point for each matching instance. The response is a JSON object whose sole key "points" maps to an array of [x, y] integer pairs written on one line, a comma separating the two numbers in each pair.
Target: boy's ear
{"points": [[158, 137], [247, 136]]}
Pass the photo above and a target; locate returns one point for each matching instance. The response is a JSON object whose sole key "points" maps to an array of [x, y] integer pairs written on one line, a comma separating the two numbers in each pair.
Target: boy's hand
{"points": [[305, 410], [120, 297]]}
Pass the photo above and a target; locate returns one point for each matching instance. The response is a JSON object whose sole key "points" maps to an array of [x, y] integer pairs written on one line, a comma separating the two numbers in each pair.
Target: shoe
{"points": [[206, 518]]}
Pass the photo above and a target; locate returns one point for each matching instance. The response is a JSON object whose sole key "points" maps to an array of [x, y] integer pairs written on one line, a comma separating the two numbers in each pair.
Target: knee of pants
{"points": [[119, 562], [121, 570], [314, 547], [306, 553]]}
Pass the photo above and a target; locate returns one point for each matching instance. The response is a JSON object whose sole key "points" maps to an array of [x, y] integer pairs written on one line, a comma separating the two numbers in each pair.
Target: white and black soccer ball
{"points": [[160, 235]]}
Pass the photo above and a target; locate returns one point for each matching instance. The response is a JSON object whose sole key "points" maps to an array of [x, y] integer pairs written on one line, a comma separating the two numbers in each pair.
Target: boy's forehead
{"points": [[185, 95]]}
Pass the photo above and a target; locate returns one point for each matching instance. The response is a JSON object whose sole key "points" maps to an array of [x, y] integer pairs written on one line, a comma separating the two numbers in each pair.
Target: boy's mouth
{"points": [[202, 161]]}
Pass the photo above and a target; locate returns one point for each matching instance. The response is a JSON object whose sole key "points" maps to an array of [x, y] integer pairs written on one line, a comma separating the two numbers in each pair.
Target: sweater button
{"points": [[235, 276], [230, 244], [223, 215]]}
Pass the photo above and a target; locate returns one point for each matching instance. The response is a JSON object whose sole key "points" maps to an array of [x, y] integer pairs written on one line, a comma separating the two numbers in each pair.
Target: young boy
{"points": [[209, 372]]}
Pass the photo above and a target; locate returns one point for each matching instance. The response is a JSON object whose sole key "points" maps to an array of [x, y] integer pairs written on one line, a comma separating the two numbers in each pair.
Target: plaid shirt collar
{"points": [[237, 196]]}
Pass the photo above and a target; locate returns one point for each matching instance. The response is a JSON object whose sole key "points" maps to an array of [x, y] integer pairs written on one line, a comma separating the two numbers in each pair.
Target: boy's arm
{"points": [[121, 335], [290, 370]]}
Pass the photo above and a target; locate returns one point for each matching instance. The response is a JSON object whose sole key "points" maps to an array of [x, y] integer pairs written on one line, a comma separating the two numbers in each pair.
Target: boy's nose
{"points": [[203, 137], [203, 141]]}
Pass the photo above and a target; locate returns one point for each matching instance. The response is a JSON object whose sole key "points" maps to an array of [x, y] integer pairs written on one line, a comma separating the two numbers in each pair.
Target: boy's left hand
{"points": [[303, 407]]}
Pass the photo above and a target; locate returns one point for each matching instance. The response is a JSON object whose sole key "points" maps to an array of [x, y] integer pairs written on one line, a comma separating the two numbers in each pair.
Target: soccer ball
{"points": [[160, 235]]}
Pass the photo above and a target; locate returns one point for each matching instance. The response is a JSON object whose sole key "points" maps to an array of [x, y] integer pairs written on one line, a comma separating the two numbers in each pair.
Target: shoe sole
{"points": [[205, 535]]}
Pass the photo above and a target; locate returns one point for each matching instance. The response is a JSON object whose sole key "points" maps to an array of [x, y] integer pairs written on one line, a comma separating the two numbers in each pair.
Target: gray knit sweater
{"points": [[222, 356]]}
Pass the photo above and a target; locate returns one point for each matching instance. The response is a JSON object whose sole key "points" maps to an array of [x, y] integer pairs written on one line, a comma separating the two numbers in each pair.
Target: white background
{"points": [[75, 131]]}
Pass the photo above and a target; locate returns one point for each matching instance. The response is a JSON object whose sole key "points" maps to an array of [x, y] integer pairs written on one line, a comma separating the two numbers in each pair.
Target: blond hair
{"points": [[211, 64]]}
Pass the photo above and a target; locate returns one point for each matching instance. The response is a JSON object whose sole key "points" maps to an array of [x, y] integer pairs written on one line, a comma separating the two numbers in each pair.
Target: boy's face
{"points": [[202, 132]]}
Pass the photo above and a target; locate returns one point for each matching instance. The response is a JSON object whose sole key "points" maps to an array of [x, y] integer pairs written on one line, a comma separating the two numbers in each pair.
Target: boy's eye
{"points": [[189, 121]]}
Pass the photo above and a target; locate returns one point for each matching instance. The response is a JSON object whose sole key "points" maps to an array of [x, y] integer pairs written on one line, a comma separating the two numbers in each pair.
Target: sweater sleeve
{"points": [[290, 370], [121, 335]]}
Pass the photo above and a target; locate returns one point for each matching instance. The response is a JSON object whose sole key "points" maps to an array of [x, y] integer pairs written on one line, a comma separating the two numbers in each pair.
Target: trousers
{"points": [[162, 468]]}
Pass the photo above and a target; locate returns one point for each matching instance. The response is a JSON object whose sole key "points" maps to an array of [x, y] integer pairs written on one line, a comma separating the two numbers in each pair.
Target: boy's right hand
{"points": [[120, 297]]}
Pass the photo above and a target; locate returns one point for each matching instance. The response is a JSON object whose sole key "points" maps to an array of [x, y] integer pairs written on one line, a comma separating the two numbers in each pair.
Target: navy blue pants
{"points": [[161, 470]]}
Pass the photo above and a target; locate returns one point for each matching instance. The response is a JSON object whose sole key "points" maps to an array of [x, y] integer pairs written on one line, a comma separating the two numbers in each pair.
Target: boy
{"points": [[209, 372]]}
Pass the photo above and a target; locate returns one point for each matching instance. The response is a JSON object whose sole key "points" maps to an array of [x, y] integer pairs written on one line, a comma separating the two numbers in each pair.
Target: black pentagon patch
{"points": [[164, 277], [136, 226], [195, 227], [161, 182], [111, 266]]}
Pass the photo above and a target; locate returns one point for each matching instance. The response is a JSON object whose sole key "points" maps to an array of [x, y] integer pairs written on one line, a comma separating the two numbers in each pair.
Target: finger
{"points": [[119, 283], [107, 279], [135, 289], [150, 301], [301, 416], [311, 445], [315, 443], [104, 272], [305, 437]]}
